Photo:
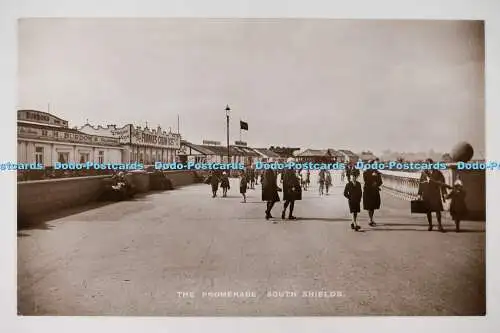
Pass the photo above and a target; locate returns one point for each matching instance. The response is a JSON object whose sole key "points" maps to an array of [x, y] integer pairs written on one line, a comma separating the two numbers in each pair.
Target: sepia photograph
{"points": [[251, 167]]}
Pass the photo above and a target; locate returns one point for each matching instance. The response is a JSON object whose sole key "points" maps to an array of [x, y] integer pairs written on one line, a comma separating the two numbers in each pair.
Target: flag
{"points": [[243, 125]]}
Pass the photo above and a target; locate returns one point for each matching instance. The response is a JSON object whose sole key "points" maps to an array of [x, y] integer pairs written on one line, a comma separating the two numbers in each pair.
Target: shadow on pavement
{"points": [[40, 222], [424, 228], [401, 224], [322, 219]]}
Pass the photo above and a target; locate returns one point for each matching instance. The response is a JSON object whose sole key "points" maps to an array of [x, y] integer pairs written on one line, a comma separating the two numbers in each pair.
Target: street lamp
{"points": [[228, 111]]}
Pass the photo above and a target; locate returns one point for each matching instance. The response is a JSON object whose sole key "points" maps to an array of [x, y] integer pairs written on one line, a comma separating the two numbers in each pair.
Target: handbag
{"points": [[418, 207]]}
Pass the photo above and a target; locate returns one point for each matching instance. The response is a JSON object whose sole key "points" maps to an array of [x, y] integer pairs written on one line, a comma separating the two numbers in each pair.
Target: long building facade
{"points": [[46, 139], [139, 144]]}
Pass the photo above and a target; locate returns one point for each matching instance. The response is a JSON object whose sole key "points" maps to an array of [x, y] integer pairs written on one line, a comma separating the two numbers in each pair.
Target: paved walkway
{"points": [[175, 252]]}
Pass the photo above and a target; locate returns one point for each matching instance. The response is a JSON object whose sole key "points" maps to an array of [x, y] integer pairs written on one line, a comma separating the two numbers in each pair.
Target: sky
{"points": [[372, 85]]}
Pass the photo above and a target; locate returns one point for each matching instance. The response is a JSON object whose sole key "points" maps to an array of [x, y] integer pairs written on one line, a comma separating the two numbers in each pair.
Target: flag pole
{"points": [[240, 130]]}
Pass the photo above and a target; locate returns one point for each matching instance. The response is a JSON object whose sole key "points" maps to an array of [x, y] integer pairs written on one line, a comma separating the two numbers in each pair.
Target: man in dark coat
{"points": [[269, 191], [432, 190], [214, 181], [291, 191], [371, 192]]}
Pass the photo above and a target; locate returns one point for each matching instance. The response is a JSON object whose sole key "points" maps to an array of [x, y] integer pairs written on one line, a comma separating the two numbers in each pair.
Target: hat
{"points": [[458, 182]]}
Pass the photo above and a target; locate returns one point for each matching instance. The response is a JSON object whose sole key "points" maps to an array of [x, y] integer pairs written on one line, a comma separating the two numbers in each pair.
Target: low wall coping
{"points": [[43, 181], [67, 179]]}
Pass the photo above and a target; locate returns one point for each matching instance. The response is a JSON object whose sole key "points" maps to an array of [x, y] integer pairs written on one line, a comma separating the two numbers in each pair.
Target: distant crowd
{"points": [[433, 191]]}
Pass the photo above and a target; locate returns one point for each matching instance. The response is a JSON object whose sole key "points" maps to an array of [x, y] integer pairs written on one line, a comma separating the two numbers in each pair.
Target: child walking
{"points": [[243, 185], [328, 180], [458, 208], [224, 183], [321, 182], [353, 193]]}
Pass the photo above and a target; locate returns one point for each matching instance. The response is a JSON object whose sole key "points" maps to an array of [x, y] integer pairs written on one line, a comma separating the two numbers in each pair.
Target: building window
{"points": [[45, 133], [66, 135], [84, 157], [39, 155], [62, 157], [100, 156]]}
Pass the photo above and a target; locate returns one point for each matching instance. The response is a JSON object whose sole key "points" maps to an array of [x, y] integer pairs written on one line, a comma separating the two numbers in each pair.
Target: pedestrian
{"points": [[303, 179], [348, 171], [353, 193], [270, 191], [432, 191], [328, 180], [252, 177], [292, 191], [321, 181], [224, 183], [308, 179], [214, 182], [371, 192], [243, 185], [458, 208]]}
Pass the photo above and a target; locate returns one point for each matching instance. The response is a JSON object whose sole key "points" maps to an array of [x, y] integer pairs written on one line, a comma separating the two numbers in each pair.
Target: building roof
{"points": [[201, 149], [266, 152], [74, 135], [367, 155], [314, 153], [221, 150], [51, 127], [334, 153], [43, 112], [248, 151], [348, 152]]}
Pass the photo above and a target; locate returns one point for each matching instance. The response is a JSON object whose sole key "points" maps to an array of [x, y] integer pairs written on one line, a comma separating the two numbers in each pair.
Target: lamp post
{"points": [[228, 111]]}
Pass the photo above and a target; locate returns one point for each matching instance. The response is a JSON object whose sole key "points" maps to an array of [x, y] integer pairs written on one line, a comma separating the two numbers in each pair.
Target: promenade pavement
{"points": [[174, 253]]}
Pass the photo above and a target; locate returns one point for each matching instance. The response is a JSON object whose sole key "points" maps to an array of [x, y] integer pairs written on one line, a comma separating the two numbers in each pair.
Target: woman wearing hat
{"points": [[458, 208], [432, 190], [371, 192], [291, 191], [214, 182], [224, 183], [270, 191]]}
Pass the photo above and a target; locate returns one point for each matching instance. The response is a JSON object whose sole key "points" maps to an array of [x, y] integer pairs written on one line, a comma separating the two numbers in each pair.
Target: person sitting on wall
{"points": [[123, 186]]}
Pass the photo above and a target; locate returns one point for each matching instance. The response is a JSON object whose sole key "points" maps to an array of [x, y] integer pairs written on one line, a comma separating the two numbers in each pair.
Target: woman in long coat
{"points": [[371, 192], [432, 190], [269, 191], [224, 183], [458, 208], [214, 181], [291, 191], [353, 193], [328, 180]]}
